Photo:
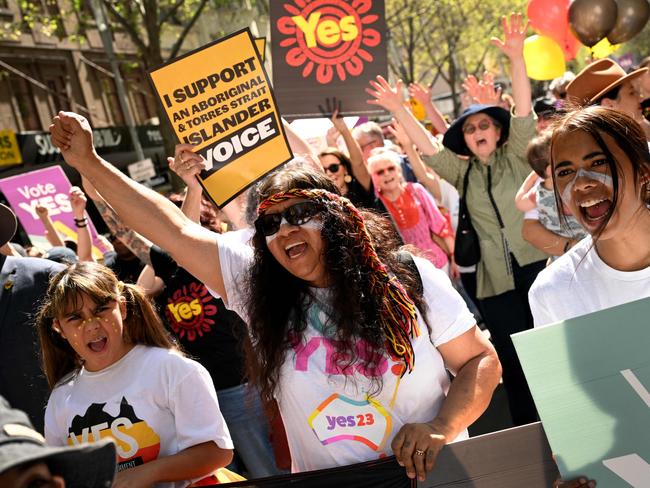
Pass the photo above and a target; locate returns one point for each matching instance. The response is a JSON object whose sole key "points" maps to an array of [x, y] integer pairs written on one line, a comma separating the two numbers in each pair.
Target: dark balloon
{"points": [[631, 19], [592, 20]]}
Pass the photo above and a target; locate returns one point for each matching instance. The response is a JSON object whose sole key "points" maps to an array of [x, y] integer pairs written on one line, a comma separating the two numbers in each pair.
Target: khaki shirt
{"points": [[509, 169]]}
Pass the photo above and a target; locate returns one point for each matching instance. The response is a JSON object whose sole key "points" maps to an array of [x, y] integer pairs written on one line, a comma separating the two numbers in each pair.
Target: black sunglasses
{"points": [[297, 214], [332, 168]]}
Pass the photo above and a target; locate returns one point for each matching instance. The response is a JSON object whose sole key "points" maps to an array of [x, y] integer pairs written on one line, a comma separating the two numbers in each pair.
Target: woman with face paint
{"points": [[601, 172], [352, 340], [116, 374], [486, 146]]}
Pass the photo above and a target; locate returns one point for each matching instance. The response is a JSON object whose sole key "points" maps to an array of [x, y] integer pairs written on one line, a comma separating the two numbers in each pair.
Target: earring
{"points": [[347, 178]]}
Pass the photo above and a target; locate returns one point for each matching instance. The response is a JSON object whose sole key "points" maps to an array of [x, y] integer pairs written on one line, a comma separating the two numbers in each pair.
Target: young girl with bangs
{"points": [[115, 373]]}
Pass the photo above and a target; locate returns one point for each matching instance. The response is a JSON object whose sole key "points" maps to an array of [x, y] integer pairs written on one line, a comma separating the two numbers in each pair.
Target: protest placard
{"points": [[590, 377], [48, 187], [219, 98], [326, 48], [9, 150]]}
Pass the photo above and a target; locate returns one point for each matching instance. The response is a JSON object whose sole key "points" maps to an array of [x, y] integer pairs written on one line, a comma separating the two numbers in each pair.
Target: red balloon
{"points": [[570, 44], [549, 18]]}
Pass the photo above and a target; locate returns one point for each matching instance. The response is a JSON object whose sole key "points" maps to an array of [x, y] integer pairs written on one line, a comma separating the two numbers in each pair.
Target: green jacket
{"points": [[509, 169]]}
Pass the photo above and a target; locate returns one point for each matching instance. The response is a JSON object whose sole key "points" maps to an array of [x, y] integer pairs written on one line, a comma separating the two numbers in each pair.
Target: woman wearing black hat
{"points": [[486, 147]]}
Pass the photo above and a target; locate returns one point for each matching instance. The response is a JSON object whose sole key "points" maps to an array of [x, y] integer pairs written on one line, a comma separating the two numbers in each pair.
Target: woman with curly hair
{"points": [[339, 332]]}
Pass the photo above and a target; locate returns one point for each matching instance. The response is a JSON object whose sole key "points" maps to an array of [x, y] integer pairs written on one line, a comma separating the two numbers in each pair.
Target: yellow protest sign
{"points": [[219, 98], [9, 150], [260, 44]]}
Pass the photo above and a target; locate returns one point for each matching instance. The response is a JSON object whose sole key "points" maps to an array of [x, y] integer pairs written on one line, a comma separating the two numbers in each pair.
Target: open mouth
{"points": [[98, 345], [594, 211], [295, 250], [480, 142]]}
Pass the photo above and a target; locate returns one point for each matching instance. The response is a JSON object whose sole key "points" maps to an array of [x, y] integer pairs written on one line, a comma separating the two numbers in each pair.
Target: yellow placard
{"points": [[219, 99], [9, 150], [260, 44]]}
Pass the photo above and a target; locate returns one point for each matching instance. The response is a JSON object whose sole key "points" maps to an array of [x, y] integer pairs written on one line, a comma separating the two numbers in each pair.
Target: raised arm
{"points": [[525, 197], [51, 233], [131, 239], [429, 179], [513, 46], [359, 168], [423, 95], [391, 99], [84, 239], [187, 170], [140, 208], [300, 147]]}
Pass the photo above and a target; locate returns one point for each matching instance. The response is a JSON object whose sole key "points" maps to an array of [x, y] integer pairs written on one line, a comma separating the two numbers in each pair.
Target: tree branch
{"points": [[181, 38], [133, 34], [172, 10]]}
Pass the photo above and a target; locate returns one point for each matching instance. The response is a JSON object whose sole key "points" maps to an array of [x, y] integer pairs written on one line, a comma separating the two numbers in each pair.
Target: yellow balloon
{"points": [[603, 48], [418, 109], [544, 58]]}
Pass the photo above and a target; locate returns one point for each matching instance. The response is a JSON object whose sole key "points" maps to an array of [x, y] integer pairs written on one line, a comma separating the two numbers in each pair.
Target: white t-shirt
{"points": [[329, 418], [153, 402], [579, 282]]}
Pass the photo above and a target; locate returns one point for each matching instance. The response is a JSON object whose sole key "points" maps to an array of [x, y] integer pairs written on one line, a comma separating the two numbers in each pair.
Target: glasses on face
{"points": [[332, 168], [297, 214], [374, 143], [484, 124], [388, 169]]}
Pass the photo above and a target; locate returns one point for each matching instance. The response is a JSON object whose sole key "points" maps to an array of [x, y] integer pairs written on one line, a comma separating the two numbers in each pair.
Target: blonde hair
{"points": [[141, 325]]}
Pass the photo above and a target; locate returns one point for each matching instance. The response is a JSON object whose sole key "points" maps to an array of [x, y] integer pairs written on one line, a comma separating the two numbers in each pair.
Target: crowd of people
{"points": [[322, 319]]}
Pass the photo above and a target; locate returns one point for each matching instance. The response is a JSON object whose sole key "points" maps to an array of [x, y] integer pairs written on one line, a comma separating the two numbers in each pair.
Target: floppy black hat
{"points": [[82, 466], [8, 224], [454, 139]]}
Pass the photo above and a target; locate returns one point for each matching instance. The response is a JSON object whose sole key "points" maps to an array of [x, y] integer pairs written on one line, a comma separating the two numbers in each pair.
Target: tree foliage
{"points": [[443, 38]]}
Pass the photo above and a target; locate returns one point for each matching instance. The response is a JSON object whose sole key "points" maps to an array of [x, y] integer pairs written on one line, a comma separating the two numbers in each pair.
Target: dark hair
{"points": [[537, 153], [278, 301], [611, 94], [209, 218], [627, 134], [141, 325], [342, 157]]}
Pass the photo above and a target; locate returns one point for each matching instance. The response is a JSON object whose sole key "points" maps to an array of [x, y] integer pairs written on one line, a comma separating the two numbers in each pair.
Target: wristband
{"points": [[83, 219]]}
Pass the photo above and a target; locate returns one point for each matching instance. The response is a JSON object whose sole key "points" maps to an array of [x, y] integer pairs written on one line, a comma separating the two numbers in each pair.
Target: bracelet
{"points": [[79, 223], [82, 220]]}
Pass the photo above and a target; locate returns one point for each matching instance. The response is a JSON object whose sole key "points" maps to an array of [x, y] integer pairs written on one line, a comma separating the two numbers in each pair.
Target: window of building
{"points": [[24, 99]]}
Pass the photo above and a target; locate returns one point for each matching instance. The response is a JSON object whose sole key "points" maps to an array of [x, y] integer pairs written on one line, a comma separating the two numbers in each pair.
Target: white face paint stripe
{"points": [[605, 179], [314, 224]]}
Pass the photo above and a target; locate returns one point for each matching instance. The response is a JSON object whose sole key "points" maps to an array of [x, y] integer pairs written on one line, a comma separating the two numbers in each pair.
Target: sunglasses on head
{"points": [[484, 124], [389, 169], [297, 214], [333, 168]]}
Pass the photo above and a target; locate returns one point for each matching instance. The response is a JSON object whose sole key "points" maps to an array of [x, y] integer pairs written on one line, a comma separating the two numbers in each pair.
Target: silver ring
{"points": [[419, 452]]}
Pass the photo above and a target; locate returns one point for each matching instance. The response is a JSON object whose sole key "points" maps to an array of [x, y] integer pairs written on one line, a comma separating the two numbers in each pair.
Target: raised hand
{"points": [[482, 91], [72, 134], [187, 164], [78, 201], [421, 93], [514, 35], [385, 95], [400, 134], [41, 211]]}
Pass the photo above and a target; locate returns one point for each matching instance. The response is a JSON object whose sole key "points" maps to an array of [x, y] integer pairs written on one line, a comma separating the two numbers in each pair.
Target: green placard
{"points": [[590, 379]]}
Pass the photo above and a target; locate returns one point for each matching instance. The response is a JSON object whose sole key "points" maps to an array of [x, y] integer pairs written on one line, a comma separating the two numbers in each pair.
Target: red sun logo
{"points": [[328, 35]]}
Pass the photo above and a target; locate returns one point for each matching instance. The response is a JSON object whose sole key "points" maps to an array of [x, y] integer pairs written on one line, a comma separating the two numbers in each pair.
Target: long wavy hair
{"points": [[278, 301], [141, 325], [627, 134]]}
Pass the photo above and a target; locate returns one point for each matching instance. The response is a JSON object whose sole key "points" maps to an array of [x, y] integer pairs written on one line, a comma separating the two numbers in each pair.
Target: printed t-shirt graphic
{"points": [[136, 443], [206, 330]]}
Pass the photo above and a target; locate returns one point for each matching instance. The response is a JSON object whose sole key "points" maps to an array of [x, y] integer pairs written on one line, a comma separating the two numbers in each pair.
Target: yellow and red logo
{"points": [[190, 311], [328, 36]]}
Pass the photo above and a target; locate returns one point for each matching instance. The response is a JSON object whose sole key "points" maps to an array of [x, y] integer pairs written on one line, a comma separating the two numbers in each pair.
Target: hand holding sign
{"points": [[187, 165], [416, 447], [72, 134]]}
